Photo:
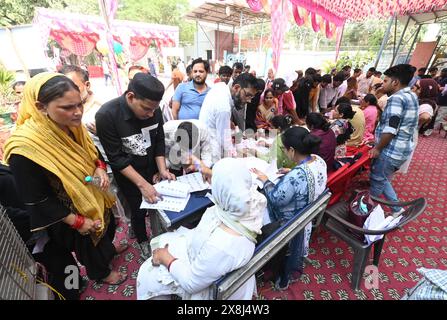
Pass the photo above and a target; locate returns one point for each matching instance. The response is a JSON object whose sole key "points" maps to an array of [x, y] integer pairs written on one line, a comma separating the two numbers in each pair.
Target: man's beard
{"points": [[198, 82], [238, 101]]}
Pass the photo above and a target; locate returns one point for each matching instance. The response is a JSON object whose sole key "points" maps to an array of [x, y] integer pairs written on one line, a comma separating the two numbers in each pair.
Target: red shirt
{"points": [[286, 103]]}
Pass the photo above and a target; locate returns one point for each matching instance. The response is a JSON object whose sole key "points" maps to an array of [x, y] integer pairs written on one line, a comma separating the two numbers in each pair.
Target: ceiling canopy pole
{"points": [[108, 11], [197, 39], [240, 34], [395, 53], [384, 41]]}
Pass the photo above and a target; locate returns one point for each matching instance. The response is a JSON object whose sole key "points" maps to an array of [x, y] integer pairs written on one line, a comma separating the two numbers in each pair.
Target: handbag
{"points": [[359, 210]]}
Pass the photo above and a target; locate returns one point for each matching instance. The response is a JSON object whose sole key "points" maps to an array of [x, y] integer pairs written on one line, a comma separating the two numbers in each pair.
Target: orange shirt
{"points": [[177, 77]]}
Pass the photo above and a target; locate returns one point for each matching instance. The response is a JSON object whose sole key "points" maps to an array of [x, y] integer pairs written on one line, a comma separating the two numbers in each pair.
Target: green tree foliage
{"points": [[89, 7], [13, 12], [355, 60], [6, 93], [168, 12]]}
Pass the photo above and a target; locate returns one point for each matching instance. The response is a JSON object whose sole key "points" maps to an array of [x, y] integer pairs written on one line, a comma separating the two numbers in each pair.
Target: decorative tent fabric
{"points": [[79, 33], [329, 16], [357, 10], [279, 9], [79, 43], [257, 5]]}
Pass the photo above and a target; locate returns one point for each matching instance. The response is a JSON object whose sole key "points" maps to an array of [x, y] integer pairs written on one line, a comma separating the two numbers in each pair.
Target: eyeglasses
{"points": [[248, 95]]}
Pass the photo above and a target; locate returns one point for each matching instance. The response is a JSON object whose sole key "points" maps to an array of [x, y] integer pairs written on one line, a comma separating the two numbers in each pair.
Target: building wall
{"points": [[224, 43]]}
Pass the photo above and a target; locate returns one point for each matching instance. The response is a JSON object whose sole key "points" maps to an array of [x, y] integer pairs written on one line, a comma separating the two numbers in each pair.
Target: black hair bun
{"points": [[311, 143]]}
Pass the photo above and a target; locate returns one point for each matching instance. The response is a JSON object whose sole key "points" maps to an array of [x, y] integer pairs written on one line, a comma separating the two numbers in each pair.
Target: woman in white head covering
{"points": [[187, 262]]}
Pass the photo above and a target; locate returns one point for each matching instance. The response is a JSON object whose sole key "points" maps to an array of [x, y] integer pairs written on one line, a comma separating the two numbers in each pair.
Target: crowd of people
{"points": [[63, 134]]}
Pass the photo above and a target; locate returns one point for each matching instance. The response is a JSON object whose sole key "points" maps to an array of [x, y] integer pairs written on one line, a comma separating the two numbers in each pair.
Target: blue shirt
{"points": [[403, 104], [190, 100], [288, 196]]}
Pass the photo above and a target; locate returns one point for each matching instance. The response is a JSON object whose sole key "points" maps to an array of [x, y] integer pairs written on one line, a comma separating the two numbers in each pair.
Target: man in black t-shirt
{"points": [[130, 129]]}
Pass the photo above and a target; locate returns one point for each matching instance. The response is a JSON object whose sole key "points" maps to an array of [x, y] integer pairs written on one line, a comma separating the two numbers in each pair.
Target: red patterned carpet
{"points": [[422, 243]]}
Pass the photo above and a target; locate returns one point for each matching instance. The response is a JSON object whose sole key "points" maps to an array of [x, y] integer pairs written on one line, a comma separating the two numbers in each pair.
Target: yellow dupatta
{"points": [[39, 139]]}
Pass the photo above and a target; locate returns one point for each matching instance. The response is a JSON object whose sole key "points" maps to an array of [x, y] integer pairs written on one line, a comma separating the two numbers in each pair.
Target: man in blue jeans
{"points": [[394, 133]]}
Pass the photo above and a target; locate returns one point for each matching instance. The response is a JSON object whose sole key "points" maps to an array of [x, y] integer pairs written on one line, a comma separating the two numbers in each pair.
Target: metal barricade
{"points": [[17, 266]]}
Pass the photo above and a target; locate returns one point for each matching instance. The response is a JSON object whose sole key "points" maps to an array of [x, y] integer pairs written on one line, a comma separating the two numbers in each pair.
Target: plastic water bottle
{"points": [[96, 181]]}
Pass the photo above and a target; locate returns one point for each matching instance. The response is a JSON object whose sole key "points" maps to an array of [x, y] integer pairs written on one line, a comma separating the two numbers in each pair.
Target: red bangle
{"points": [[79, 222], [101, 164], [169, 264]]}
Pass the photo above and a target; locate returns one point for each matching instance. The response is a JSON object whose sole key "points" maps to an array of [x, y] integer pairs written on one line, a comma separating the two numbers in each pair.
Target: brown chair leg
{"points": [[360, 260]]}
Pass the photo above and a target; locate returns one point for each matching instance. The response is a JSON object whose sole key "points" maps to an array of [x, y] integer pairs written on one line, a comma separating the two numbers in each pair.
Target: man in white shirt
{"points": [[330, 91], [185, 138], [340, 83], [326, 92], [365, 81], [215, 113]]}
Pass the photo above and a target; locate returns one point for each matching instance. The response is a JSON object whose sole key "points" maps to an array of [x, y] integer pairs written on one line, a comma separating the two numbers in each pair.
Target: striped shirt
{"points": [[404, 105]]}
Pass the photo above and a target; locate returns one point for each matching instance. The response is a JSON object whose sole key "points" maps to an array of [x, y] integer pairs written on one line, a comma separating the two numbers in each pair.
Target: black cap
{"points": [[280, 84], [147, 86]]}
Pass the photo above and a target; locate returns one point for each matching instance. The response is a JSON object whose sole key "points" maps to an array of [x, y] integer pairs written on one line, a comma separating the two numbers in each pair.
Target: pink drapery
{"points": [[334, 14], [138, 47], [319, 10], [356, 10], [78, 43], [329, 29], [51, 21], [296, 15], [137, 51], [108, 10], [255, 5], [279, 19], [315, 24], [258, 5]]}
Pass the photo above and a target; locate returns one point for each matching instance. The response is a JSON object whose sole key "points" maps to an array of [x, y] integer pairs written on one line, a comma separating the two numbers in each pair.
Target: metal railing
{"points": [[223, 289], [17, 266]]}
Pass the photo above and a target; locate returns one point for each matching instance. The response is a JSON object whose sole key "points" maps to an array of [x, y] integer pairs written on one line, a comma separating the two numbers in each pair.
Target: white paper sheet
{"points": [[377, 221], [168, 203], [270, 170], [172, 188], [194, 181]]}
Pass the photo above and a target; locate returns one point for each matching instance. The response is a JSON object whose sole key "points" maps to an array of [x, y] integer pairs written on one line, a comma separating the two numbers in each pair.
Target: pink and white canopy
{"points": [[80, 33], [329, 16]]}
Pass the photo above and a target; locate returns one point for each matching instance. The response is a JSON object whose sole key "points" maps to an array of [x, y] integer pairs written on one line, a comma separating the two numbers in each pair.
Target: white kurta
{"points": [[203, 151], [214, 255], [215, 114]]}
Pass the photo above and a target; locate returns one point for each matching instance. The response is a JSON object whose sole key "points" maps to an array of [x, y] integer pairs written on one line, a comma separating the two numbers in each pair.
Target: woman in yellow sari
{"points": [[50, 154]]}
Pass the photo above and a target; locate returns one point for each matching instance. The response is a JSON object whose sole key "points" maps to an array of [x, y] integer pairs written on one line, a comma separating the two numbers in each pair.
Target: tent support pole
{"points": [[384, 42], [197, 37], [217, 56], [240, 34], [400, 42]]}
